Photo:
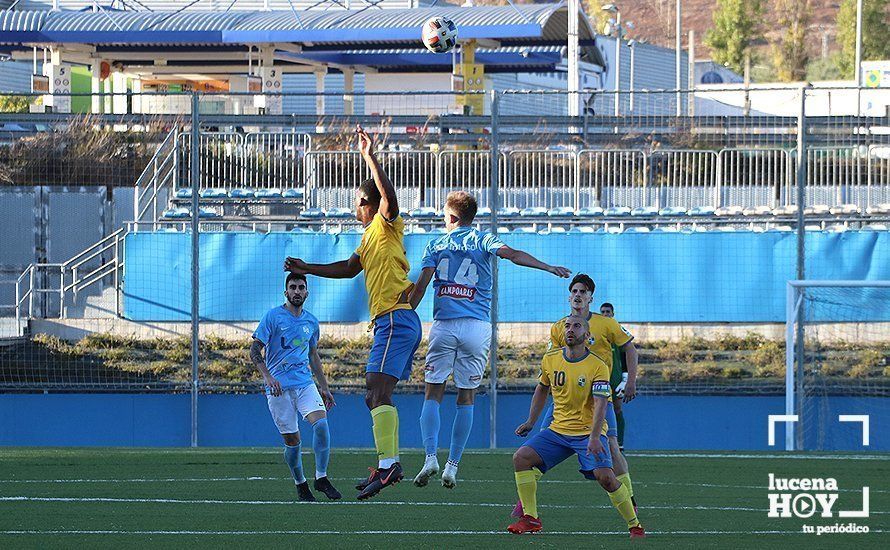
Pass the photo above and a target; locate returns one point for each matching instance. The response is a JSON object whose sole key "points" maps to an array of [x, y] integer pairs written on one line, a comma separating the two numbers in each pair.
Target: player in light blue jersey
{"points": [[461, 261], [289, 335]]}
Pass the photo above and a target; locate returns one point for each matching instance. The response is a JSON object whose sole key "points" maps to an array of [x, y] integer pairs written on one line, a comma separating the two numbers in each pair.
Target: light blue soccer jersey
{"points": [[288, 339], [462, 283]]}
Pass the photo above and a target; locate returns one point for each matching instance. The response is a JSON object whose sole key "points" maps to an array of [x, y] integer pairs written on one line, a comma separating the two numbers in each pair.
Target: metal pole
{"points": [[574, 76], [633, 46], [493, 201], [801, 259], [617, 63], [195, 172], [790, 316], [678, 56], [858, 61]]}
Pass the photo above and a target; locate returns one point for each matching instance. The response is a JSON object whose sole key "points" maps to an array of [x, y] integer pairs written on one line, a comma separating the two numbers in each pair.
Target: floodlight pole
{"points": [[679, 52], [493, 204], [574, 76], [195, 173]]}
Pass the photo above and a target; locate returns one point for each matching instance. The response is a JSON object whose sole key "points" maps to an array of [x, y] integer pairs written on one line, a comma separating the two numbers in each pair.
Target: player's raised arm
{"points": [[423, 281], [525, 259], [345, 269], [389, 203], [539, 399], [256, 356]]}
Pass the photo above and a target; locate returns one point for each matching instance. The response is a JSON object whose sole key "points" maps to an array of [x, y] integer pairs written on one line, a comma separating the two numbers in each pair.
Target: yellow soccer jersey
{"points": [[382, 255], [573, 385], [604, 332]]}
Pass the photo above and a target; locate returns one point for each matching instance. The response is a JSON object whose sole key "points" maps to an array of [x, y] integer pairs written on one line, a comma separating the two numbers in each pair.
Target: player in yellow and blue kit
{"points": [[396, 326], [578, 380]]}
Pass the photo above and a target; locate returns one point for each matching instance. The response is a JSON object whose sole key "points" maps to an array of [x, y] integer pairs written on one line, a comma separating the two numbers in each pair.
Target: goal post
{"points": [[837, 342]]}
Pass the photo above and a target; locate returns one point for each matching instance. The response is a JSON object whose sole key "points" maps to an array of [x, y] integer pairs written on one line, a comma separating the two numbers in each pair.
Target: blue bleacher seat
{"points": [[587, 229], [727, 229], [812, 227], [176, 213], [339, 213], [533, 212], [185, 193], [614, 229], [837, 228], [673, 211], [312, 213], [668, 229], [207, 213], [757, 211], [785, 210], [416, 230], [845, 209], [242, 193], [644, 211], [483, 212], [214, 193], [874, 227], [701, 211], [293, 193], [524, 229], [590, 212], [617, 211], [550, 230], [423, 212], [638, 229], [508, 211], [561, 212], [878, 210], [268, 193], [502, 229], [729, 211], [782, 228], [816, 210]]}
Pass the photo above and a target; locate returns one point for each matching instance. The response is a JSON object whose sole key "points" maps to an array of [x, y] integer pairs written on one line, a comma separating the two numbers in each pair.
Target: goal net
{"points": [[837, 368]]}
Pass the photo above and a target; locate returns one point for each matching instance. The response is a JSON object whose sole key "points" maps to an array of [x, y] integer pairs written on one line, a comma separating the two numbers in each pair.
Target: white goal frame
{"points": [[793, 330]]}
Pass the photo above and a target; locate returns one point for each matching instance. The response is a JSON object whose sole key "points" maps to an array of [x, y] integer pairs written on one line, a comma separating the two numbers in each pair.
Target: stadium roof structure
{"points": [[515, 36]]}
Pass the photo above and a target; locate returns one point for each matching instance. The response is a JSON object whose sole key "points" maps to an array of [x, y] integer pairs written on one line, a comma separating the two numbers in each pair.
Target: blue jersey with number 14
{"points": [[462, 258]]}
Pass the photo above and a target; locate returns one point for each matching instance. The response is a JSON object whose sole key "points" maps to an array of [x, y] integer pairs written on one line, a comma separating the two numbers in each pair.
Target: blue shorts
{"points": [[553, 448], [611, 421], [396, 337]]}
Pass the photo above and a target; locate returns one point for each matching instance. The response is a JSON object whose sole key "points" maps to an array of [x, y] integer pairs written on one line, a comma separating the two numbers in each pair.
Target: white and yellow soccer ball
{"points": [[439, 34]]}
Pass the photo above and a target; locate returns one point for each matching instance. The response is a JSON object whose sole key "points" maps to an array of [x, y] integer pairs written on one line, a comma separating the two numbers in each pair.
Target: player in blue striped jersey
{"points": [[459, 264]]}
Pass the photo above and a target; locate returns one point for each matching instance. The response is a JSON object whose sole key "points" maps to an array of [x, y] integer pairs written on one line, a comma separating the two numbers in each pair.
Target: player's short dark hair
{"points": [[608, 305], [295, 277], [369, 191], [585, 280], [463, 204]]}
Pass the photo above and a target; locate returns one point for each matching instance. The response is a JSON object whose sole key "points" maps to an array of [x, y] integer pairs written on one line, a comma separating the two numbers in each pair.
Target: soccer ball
{"points": [[439, 34]]}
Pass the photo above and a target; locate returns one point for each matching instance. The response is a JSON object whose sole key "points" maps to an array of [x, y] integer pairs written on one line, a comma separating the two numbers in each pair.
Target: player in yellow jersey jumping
{"points": [[579, 383], [397, 329]]}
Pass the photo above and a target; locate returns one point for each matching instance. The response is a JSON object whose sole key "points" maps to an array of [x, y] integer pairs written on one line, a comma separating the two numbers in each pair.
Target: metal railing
{"points": [[69, 278], [158, 175]]}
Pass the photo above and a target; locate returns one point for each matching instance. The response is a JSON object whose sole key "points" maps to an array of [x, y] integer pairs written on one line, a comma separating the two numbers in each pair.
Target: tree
{"points": [[875, 33], [736, 27], [790, 55]]}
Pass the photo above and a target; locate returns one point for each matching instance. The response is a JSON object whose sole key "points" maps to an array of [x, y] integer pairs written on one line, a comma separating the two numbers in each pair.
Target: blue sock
{"points": [[429, 425], [295, 462], [460, 432], [321, 445]]}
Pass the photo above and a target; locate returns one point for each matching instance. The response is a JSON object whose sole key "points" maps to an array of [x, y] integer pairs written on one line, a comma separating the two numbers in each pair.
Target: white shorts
{"points": [[285, 407], [458, 346]]}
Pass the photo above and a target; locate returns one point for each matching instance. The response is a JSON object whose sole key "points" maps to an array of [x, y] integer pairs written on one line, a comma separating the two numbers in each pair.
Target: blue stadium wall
{"points": [[654, 422], [652, 277]]}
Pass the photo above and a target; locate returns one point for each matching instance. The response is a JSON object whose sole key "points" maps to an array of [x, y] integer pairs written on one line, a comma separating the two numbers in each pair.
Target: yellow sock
{"points": [[385, 419], [621, 500], [527, 487], [396, 433], [625, 480]]}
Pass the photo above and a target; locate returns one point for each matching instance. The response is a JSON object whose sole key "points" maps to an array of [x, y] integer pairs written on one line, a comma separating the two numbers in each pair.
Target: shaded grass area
{"points": [[241, 497], [727, 360]]}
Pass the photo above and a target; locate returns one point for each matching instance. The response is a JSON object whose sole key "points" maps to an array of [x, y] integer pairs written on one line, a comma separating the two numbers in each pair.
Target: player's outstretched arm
{"points": [[346, 269], [416, 294], [632, 358], [389, 204], [256, 355], [315, 364], [525, 259], [539, 399]]}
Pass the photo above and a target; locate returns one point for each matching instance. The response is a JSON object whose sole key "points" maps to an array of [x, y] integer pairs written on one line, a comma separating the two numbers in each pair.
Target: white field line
{"points": [[357, 503], [351, 480], [352, 533]]}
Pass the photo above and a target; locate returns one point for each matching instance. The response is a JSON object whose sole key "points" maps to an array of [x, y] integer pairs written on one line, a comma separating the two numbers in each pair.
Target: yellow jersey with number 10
{"points": [[574, 385], [383, 258]]}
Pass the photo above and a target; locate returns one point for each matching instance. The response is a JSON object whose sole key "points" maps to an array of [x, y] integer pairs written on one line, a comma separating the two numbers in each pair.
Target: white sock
{"points": [[319, 475], [432, 458], [385, 463]]}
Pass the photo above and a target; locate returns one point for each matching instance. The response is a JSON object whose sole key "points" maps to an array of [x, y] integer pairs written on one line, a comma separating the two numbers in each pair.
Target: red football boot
{"points": [[526, 524], [637, 532]]}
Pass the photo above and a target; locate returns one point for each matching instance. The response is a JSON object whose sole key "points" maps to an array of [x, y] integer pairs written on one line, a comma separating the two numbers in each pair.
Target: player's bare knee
{"points": [[315, 416], [291, 440], [466, 396], [607, 480], [435, 391], [523, 459]]}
